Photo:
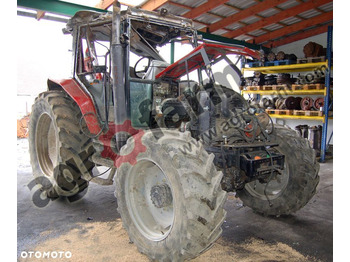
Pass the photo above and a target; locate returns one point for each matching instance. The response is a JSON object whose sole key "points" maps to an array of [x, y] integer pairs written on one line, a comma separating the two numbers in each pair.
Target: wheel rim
{"points": [[150, 200], [46, 144], [274, 188]]}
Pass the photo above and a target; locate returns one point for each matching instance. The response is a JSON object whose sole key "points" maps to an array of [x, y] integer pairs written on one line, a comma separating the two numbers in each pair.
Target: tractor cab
{"points": [[146, 81], [134, 66]]}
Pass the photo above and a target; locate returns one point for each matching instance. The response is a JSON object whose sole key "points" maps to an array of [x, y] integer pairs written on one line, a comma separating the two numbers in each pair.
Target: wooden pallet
{"points": [[299, 112], [307, 113], [311, 60], [254, 88], [308, 87], [254, 64], [279, 111], [280, 87], [279, 62], [314, 113], [267, 87]]}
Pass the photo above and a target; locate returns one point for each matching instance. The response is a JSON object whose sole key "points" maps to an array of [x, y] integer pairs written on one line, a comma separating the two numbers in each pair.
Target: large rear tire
{"points": [[171, 201], [58, 148], [293, 189]]}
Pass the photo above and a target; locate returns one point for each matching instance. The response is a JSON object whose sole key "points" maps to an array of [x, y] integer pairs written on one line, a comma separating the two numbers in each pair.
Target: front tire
{"points": [[293, 189], [59, 151], [171, 201]]}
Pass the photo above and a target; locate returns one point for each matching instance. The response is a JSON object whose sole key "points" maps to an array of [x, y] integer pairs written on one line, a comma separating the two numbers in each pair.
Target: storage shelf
{"points": [[295, 68], [286, 68], [318, 118], [286, 92]]}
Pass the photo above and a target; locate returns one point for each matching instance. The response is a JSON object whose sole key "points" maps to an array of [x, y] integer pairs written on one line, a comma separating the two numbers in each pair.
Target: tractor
{"points": [[174, 139]]}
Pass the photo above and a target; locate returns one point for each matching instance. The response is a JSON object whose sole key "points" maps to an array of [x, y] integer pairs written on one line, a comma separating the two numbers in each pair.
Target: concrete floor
{"points": [[309, 231]]}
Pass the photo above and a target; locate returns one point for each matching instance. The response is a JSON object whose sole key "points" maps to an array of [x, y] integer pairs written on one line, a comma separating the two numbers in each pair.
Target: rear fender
{"points": [[83, 100]]}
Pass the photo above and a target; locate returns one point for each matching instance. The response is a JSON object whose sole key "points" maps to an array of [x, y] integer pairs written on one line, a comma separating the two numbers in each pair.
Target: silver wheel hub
{"points": [[149, 200]]}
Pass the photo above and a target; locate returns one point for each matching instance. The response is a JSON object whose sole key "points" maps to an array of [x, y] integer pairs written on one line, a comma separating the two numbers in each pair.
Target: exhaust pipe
{"points": [[118, 76]]}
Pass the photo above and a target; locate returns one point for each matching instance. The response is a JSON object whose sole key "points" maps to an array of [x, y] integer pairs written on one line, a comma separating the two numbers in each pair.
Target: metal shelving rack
{"points": [[303, 68], [287, 92], [327, 98], [292, 92], [285, 68]]}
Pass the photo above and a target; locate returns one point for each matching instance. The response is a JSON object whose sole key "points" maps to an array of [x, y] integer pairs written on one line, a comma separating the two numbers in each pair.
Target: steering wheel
{"points": [[145, 63]]}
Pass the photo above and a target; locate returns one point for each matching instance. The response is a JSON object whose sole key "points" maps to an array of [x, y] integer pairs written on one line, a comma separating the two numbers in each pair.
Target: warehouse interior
{"points": [[291, 82]]}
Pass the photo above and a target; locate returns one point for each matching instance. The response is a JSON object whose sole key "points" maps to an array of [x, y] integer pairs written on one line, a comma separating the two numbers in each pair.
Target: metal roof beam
{"points": [[152, 5], [231, 41], [104, 4], [180, 5], [45, 17], [39, 14], [294, 27], [259, 7], [55, 6], [203, 8], [277, 17], [300, 36]]}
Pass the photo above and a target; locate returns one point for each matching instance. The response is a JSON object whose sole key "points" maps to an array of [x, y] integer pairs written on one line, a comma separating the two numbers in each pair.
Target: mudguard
{"points": [[83, 100]]}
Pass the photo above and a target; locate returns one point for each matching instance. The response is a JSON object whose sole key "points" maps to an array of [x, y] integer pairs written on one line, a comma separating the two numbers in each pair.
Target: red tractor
{"points": [[176, 143]]}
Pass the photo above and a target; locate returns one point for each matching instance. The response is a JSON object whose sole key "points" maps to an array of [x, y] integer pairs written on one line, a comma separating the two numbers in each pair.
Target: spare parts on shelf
{"points": [[307, 103], [303, 130], [280, 103], [298, 102], [316, 138], [266, 103], [319, 103], [270, 80], [280, 55], [314, 79], [313, 49], [291, 57], [259, 79], [313, 134], [291, 103], [285, 79], [310, 78], [271, 56], [303, 79]]}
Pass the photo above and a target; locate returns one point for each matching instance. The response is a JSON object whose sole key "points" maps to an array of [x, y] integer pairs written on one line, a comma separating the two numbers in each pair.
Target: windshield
{"points": [[226, 72]]}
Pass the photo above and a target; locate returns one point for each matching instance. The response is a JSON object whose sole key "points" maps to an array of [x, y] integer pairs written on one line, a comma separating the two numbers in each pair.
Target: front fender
{"points": [[83, 100]]}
